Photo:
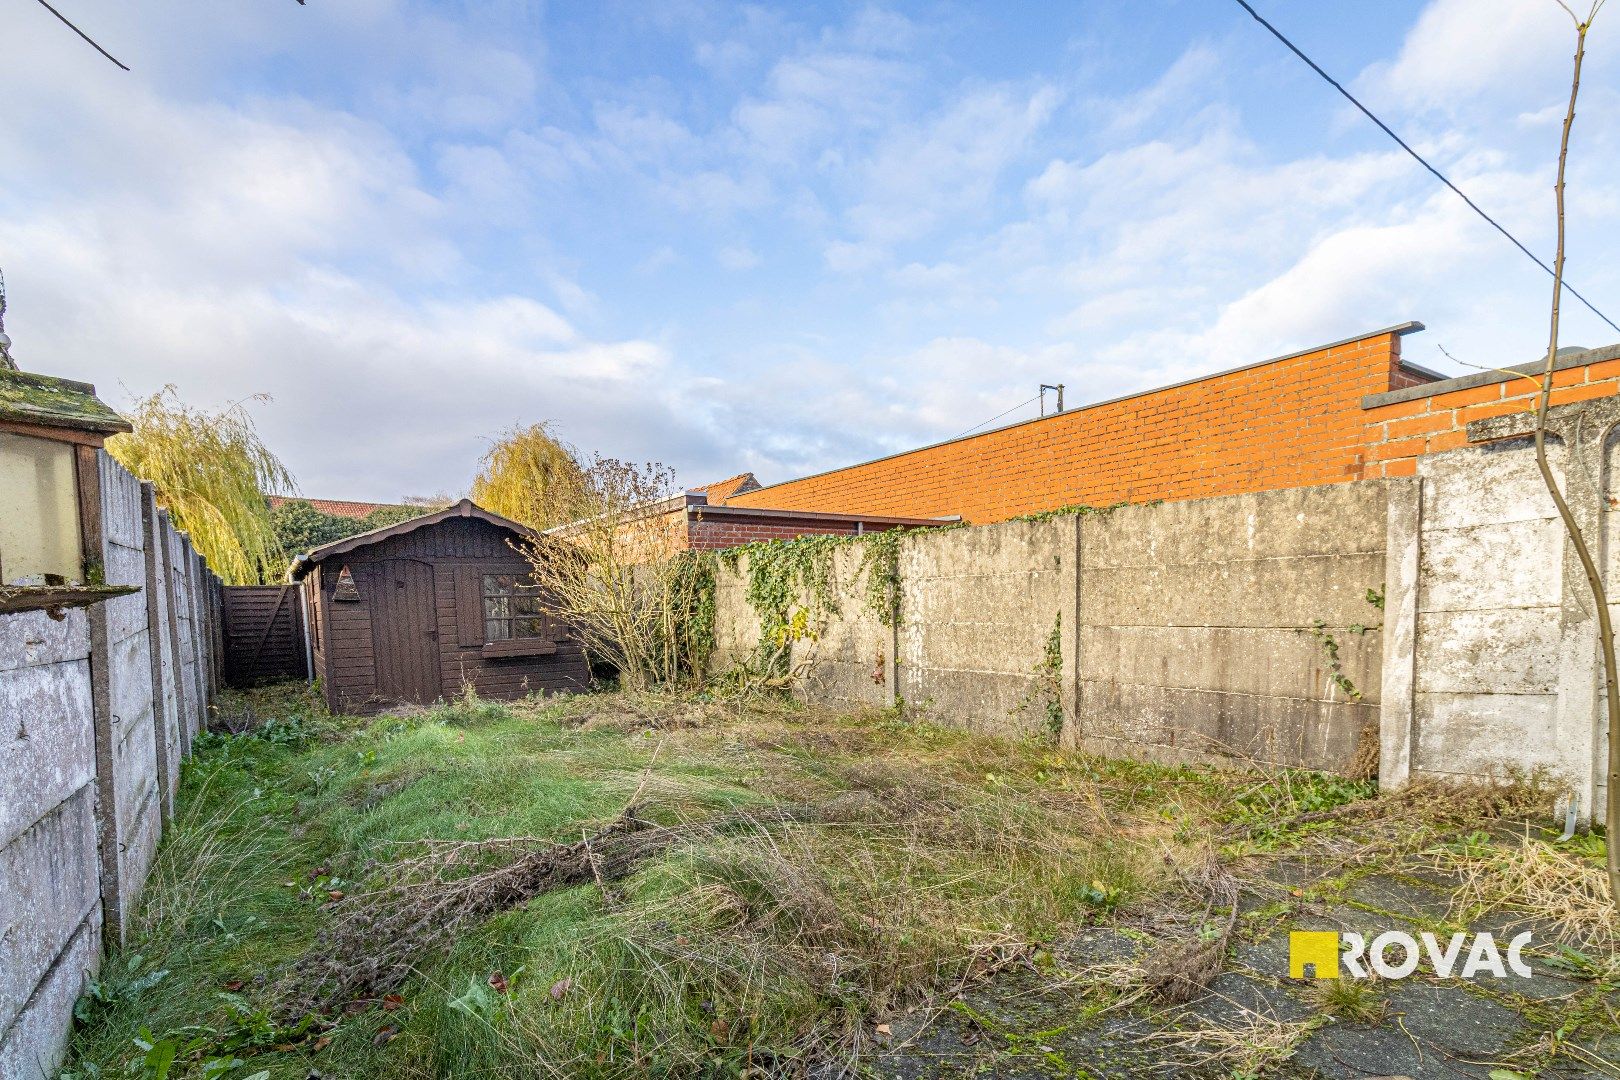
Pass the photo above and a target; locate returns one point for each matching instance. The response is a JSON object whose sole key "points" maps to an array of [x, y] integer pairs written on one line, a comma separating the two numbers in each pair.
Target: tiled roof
{"points": [[342, 508], [721, 490]]}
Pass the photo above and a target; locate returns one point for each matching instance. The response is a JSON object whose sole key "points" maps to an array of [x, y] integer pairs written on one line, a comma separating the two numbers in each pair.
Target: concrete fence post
{"points": [[93, 535], [1072, 552], [157, 630], [1398, 696]]}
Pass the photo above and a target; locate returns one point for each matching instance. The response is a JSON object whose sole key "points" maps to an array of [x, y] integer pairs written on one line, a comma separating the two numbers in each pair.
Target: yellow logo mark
{"points": [[1313, 954]]}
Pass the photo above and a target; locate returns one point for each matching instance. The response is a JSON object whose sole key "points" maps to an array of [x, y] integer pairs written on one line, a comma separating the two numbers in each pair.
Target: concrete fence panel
{"points": [[849, 659], [1207, 628], [979, 608], [97, 708]]}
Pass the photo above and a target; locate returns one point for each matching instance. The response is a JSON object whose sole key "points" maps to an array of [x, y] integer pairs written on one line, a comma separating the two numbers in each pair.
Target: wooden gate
{"points": [[264, 634]]}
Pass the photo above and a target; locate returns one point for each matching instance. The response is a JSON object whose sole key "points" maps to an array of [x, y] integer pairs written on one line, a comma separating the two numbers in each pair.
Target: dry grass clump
{"points": [[1243, 1045], [1180, 970], [1405, 821], [1557, 891], [806, 934]]}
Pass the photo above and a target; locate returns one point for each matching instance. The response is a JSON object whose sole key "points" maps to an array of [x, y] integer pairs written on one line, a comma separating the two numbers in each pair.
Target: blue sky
{"points": [[777, 238]]}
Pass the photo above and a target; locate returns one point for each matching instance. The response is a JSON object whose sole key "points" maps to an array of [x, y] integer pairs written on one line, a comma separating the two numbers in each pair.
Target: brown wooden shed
{"points": [[414, 611]]}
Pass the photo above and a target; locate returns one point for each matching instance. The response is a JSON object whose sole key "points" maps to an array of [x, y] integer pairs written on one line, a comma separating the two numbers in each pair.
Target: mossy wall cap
{"points": [[52, 402]]}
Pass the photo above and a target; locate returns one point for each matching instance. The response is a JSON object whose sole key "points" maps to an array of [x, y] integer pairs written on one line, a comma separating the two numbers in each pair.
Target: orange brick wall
{"points": [[1398, 434], [1292, 422]]}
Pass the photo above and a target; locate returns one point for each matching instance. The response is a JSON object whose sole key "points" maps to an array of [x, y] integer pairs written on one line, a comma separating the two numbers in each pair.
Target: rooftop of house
{"points": [[718, 492], [343, 508]]}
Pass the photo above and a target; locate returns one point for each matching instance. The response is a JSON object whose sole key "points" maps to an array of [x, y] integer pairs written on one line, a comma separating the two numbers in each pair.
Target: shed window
{"points": [[511, 609]]}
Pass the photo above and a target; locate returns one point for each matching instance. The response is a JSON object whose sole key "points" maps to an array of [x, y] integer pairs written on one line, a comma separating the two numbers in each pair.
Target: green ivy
{"points": [[1330, 645], [1068, 510], [791, 585], [1052, 675], [693, 599]]}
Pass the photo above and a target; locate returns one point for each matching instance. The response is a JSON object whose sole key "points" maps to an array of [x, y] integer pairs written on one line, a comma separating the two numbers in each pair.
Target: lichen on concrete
{"points": [[41, 399]]}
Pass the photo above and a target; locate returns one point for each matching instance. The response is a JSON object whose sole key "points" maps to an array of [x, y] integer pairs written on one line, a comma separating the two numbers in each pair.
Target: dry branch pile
{"points": [[424, 901]]}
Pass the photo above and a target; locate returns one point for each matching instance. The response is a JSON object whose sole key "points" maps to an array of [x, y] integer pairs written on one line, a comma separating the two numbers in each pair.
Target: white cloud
{"points": [[405, 255], [1462, 50], [846, 257], [737, 257], [920, 176]]}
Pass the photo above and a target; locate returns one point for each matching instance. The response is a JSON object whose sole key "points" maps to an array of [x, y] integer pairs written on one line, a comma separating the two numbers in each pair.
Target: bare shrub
{"points": [[617, 571]]}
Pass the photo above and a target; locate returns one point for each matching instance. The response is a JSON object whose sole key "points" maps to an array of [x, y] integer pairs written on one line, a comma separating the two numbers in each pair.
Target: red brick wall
{"points": [[1398, 434], [712, 535], [1292, 422]]}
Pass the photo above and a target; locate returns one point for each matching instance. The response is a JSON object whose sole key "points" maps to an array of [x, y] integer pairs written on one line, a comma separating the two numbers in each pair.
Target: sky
{"points": [[776, 238]]}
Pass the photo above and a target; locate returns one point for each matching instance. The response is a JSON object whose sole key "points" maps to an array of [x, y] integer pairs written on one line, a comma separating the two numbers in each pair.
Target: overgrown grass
{"points": [[944, 856]]}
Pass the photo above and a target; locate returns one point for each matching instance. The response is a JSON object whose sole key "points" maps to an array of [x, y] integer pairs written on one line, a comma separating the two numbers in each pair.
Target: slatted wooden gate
{"points": [[264, 634]]}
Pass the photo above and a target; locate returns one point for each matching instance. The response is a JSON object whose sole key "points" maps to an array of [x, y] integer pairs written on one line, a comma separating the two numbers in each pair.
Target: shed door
{"points": [[404, 630]]}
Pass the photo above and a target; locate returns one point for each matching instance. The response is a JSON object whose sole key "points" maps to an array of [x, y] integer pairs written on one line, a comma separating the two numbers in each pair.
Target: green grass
{"points": [[759, 947]]}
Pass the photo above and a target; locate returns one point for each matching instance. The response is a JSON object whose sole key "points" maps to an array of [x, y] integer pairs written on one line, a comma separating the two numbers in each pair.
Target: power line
{"points": [[1278, 34], [996, 417], [84, 35]]}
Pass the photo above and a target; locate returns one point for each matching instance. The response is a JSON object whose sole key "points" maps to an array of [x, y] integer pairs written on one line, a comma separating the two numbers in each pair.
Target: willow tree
{"points": [[212, 473], [530, 476]]}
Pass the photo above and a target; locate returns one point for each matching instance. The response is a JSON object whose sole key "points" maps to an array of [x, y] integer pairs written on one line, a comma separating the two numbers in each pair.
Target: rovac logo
{"points": [[1395, 954]]}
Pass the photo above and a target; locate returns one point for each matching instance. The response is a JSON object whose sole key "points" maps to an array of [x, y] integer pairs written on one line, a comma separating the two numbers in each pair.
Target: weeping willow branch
{"points": [[212, 473], [528, 475]]}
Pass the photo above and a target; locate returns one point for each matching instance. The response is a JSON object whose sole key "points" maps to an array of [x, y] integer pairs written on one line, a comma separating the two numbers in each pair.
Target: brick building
{"points": [[706, 518], [1292, 421]]}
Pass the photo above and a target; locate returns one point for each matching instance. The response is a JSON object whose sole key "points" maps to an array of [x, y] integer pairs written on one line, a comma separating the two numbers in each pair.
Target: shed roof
{"points": [[52, 402], [466, 508]]}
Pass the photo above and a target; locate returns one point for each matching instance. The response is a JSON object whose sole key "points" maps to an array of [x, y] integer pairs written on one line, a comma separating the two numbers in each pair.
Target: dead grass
{"points": [[1245, 1045], [1560, 893]]}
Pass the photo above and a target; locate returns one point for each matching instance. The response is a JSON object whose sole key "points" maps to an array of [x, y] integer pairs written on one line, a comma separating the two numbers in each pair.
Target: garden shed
{"points": [[413, 612]]}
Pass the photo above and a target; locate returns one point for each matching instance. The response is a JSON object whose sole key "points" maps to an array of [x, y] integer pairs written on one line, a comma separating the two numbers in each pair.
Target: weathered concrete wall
{"points": [[1182, 630], [850, 659], [1503, 671], [50, 896], [1198, 626], [95, 716], [978, 607], [131, 771], [1187, 628], [1486, 615]]}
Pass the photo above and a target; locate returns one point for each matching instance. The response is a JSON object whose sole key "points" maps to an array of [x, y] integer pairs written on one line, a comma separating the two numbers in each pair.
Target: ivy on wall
{"points": [[1072, 510], [1330, 646], [792, 585]]}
